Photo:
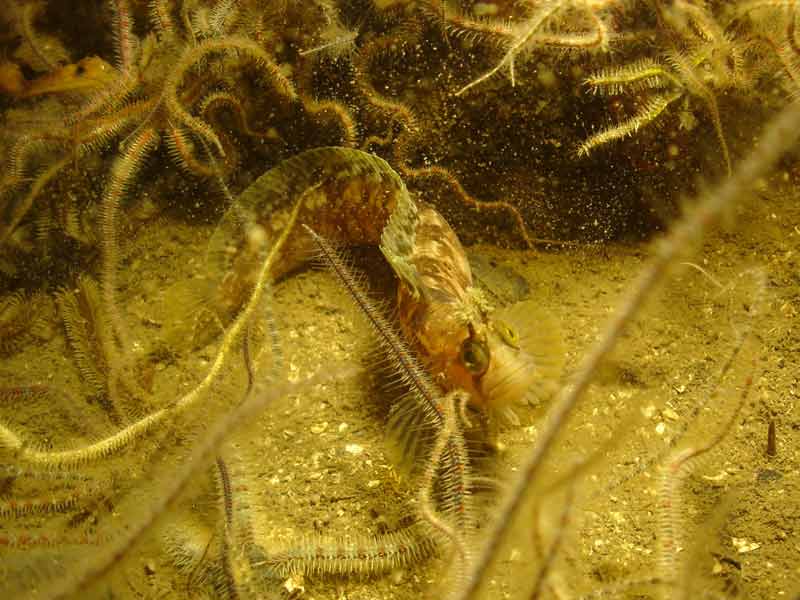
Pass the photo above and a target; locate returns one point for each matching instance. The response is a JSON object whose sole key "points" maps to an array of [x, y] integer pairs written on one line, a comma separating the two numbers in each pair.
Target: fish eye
{"points": [[508, 334], [475, 356]]}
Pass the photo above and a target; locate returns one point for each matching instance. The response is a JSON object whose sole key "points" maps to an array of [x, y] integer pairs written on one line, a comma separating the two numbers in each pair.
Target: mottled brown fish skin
{"points": [[434, 316]]}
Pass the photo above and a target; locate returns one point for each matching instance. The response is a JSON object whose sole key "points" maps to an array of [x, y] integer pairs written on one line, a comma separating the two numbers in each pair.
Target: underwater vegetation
{"points": [[548, 350]]}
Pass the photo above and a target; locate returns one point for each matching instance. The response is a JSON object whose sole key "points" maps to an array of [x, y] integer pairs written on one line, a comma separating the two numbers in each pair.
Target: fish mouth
{"points": [[525, 369], [512, 376]]}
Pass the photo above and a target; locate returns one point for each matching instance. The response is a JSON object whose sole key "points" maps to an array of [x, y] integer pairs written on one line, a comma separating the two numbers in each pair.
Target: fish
{"points": [[501, 357], [88, 74]]}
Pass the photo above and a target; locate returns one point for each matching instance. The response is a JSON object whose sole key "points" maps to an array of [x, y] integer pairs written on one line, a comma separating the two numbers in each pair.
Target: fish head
{"points": [[511, 356]]}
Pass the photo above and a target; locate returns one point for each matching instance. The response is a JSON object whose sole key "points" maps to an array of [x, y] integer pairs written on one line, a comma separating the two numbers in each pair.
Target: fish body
{"points": [[88, 74], [354, 197]]}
